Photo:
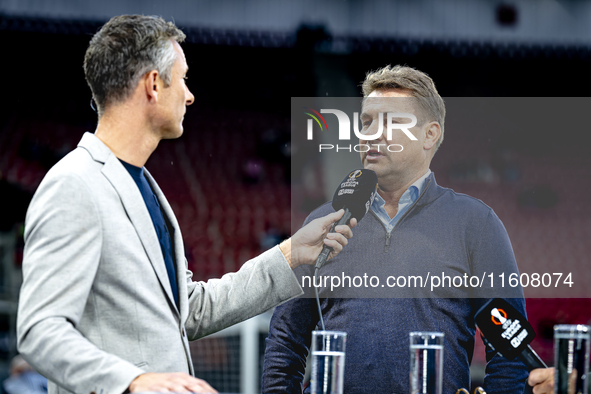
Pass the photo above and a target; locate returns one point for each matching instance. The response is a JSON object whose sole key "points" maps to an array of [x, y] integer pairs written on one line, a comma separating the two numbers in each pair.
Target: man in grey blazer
{"points": [[107, 303]]}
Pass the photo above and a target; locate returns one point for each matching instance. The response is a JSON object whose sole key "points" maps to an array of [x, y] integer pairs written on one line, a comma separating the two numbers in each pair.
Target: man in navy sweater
{"points": [[414, 227]]}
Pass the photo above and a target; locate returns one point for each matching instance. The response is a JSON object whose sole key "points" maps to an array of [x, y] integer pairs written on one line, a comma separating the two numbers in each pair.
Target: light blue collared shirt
{"points": [[406, 200]]}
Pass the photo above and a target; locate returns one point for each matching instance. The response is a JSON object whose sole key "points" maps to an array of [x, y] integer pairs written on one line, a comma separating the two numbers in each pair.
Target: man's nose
{"points": [[189, 98]]}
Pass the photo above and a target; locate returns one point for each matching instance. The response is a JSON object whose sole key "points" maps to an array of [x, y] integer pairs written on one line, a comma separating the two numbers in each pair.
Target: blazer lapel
{"points": [[134, 206], [179, 248]]}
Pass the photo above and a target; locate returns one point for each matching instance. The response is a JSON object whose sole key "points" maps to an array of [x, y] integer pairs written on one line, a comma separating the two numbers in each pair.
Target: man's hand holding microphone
{"points": [[306, 244]]}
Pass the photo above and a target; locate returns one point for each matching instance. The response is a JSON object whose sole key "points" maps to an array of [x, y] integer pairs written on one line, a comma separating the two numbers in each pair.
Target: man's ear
{"points": [[152, 86], [432, 135]]}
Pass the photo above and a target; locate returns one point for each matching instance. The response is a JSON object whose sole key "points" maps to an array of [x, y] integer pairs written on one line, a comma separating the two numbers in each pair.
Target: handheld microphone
{"points": [[508, 332], [355, 195]]}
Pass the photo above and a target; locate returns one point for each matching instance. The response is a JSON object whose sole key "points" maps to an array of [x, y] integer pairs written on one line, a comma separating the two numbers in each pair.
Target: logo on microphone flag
{"points": [[498, 316], [355, 174]]}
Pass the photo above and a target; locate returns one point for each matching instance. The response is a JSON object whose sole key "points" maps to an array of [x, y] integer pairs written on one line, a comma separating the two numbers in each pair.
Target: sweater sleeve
{"points": [[288, 343], [493, 253]]}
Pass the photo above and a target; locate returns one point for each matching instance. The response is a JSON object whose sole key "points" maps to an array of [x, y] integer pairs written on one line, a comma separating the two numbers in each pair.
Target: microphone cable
{"points": [[318, 300], [354, 195], [320, 262]]}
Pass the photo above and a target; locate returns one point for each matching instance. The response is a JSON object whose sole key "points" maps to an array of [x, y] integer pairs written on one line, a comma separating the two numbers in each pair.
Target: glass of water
{"points": [[571, 358], [328, 362], [426, 362]]}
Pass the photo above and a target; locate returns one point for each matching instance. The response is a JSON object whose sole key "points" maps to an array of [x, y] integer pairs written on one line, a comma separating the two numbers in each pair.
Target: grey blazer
{"points": [[96, 309]]}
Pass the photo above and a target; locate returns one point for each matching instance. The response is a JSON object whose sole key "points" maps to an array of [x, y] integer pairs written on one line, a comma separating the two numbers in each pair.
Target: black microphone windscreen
{"points": [[504, 327], [356, 192]]}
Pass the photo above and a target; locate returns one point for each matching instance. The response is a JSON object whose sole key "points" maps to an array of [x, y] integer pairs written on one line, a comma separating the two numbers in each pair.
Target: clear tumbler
{"points": [[328, 362], [571, 358], [426, 362]]}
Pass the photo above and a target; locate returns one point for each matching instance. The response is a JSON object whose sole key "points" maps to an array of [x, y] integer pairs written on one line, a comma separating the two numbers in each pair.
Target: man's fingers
{"points": [[306, 243], [547, 387], [176, 382], [178, 388], [339, 239], [328, 220], [336, 247], [195, 385], [201, 386], [542, 380], [336, 238], [539, 375], [336, 241], [344, 230]]}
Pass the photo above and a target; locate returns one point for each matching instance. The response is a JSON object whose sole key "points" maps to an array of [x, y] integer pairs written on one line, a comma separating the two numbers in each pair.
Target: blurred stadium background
{"points": [[229, 179]]}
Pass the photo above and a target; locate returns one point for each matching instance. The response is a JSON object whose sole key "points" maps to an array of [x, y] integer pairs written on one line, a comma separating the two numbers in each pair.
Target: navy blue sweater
{"points": [[443, 232]]}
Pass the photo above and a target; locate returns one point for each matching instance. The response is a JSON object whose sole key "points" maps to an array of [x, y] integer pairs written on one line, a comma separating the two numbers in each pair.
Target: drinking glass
{"points": [[426, 362], [571, 358], [328, 362]]}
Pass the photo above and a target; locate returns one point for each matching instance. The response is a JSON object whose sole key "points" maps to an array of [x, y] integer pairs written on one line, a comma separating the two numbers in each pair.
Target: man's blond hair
{"points": [[419, 85]]}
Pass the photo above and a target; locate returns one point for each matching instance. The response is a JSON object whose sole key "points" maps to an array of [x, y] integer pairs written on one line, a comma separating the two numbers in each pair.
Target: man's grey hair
{"points": [[125, 49], [417, 82]]}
